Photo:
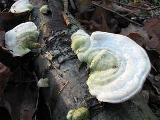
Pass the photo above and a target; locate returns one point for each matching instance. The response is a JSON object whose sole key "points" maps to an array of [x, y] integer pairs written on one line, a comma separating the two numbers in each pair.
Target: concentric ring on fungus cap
{"points": [[119, 66]]}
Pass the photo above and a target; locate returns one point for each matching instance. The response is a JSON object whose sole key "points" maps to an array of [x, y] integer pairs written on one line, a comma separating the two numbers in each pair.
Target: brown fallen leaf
{"points": [[152, 26], [137, 38], [83, 5], [138, 34]]}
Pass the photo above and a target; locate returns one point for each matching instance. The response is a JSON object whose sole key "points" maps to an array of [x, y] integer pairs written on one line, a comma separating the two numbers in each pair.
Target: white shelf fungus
{"points": [[21, 39], [81, 113], [118, 65], [43, 83], [21, 6], [44, 9]]}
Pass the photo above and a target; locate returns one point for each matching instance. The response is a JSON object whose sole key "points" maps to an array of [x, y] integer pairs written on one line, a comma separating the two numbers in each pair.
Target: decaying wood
{"points": [[20, 94], [66, 70], [20, 90]]}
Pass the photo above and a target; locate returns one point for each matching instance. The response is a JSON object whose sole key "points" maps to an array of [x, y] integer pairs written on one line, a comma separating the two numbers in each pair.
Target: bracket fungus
{"points": [[81, 113], [118, 65], [21, 6], [22, 39], [44, 9], [43, 82]]}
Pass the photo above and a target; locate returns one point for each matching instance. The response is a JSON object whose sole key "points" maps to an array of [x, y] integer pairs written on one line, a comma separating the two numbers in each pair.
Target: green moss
{"points": [[78, 114]]}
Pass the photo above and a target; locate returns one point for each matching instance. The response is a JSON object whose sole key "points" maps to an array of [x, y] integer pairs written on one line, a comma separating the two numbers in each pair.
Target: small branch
{"points": [[63, 87], [128, 5], [102, 6], [136, 6], [65, 6], [153, 8]]}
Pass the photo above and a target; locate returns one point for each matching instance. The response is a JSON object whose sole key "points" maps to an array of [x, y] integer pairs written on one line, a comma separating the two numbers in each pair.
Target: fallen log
{"points": [[68, 76]]}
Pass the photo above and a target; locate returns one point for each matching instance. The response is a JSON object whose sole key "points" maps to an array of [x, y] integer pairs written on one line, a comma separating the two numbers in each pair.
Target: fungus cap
{"points": [[81, 113], [21, 6], [118, 65], [22, 38]]}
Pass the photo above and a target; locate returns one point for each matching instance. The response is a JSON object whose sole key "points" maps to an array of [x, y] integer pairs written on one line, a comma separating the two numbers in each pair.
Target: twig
{"points": [[63, 87], [66, 18], [69, 19], [153, 8], [56, 69], [136, 6], [6, 9], [65, 5], [154, 67], [129, 5], [130, 13], [102, 6]]}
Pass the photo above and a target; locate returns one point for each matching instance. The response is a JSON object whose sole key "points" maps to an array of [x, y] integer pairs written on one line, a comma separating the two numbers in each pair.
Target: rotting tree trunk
{"points": [[67, 77], [18, 100]]}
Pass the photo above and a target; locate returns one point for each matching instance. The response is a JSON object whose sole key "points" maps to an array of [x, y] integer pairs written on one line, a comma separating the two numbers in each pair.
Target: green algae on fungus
{"points": [[22, 39], [118, 65], [81, 113]]}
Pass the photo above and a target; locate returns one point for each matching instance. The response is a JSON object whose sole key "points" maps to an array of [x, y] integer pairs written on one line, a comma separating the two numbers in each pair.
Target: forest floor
{"points": [[137, 19]]}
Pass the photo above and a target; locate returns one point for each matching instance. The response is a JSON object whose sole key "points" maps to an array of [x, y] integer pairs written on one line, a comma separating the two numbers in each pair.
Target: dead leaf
{"points": [[138, 34], [137, 38], [83, 5], [152, 26]]}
